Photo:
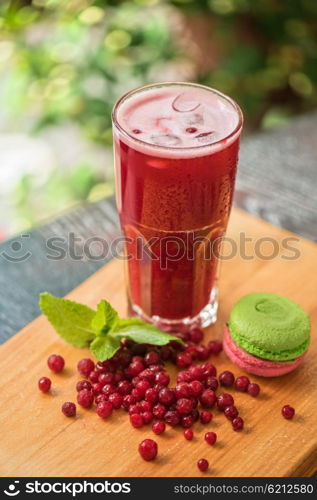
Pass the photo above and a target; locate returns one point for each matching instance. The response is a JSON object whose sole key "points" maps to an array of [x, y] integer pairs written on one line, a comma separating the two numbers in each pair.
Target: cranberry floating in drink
{"points": [[176, 152]]}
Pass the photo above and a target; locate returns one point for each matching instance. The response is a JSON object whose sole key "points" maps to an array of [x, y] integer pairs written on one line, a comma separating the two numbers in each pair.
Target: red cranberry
{"points": [[205, 417], [196, 373], [203, 464], [192, 350], [85, 366], [208, 398], [156, 368], [288, 412], [196, 335], [188, 434], [135, 368], [187, 421], [211, 383], [134, 409], [85, 398], [124, 387], [237, 424], [184, 376], [215, 347], [44, 384], [136, 395], [147, 417], [151, 358], [83, 384], [101, 368], [69, 409], [148, 449], [158, 427], [106, 378], [224, 400], [96, 388], [107, 389], [203, 352], [195, 415], [209, 370], [183, 359], [142, 386], [55, 363], [116, 400], [127, 401], [172, 418], [146, 405], [253, 390], [100, 397], [94, 377], [226, 378], [136, 420], [148, 375], [241, 383], [211, 437], [182, 390], [231, 412], [184, 406], [104, 409], [162, 378], [151, 395], [167, 396], [159, 411], [195, 388]]}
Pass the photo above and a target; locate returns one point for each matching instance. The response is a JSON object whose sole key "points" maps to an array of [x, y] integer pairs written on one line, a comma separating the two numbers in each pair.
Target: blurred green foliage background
{"points": [[66, 62]]}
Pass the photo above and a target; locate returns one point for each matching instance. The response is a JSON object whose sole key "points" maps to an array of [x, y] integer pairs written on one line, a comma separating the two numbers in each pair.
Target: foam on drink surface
{"points": [[181, 117]]}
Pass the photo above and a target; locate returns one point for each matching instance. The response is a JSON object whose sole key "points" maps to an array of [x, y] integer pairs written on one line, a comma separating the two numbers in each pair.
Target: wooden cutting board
{"points": [[37, 440]]}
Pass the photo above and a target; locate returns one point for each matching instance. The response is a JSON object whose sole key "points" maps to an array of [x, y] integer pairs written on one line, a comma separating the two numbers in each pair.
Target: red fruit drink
{"points": [[176, 151]]}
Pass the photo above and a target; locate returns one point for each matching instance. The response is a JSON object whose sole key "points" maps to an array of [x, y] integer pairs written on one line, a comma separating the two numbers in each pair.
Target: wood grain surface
{"points": [[37, 440]]}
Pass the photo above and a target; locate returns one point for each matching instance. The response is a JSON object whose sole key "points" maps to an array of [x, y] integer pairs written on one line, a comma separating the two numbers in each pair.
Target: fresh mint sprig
{"points": [[101, 330]]}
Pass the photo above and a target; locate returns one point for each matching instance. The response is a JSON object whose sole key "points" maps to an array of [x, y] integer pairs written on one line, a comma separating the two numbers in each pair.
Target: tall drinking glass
{"points": [[176, 151]]}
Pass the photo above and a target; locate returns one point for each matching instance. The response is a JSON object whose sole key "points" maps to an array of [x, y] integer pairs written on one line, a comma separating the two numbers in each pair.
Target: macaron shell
{"points": [[257, 366], [270, 326]]}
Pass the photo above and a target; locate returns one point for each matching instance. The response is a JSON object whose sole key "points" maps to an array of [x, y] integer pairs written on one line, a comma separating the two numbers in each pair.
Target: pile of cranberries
{"points": [[136, 380]]}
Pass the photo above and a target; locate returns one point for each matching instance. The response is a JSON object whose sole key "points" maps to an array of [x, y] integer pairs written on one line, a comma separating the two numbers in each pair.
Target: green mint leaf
{"points": [[104, 347], [141, 332], [70, 319], [105, 318]]}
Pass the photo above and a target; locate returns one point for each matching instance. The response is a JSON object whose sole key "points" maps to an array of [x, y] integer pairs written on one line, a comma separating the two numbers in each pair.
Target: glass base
{"points": [[206, 317]]}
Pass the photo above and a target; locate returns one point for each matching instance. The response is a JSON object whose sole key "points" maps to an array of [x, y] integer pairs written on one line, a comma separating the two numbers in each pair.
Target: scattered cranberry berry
{"points": [[85, 398], [184, 406], [183, 359], [231, 412], [203, 464], [224, 400], [215, 347], [210, 438], [196, 335], [167, 396], [147, 417], [158, 427], [211, 383], [187, 421], [85, 366], [116, 400], [242, 383], [55, 363], [237, 424], [226, 378], [104, 409], [188, 434], [151, 358], [253, 390], [172, 418], [288, 412], [208, 398], [69, 409], [44, 384], [83, 384], [148, 449], [136, 420], [205, 417]]}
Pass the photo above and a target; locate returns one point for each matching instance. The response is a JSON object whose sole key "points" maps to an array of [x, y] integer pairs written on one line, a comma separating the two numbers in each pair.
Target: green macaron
{"points": [[270, 326]]}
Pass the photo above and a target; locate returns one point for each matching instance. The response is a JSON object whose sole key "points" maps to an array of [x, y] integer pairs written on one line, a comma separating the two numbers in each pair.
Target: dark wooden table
{"points": [[277, 181]]}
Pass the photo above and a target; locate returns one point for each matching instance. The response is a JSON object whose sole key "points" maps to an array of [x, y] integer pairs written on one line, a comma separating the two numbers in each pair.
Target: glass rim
{"points": [[200, 147]]}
